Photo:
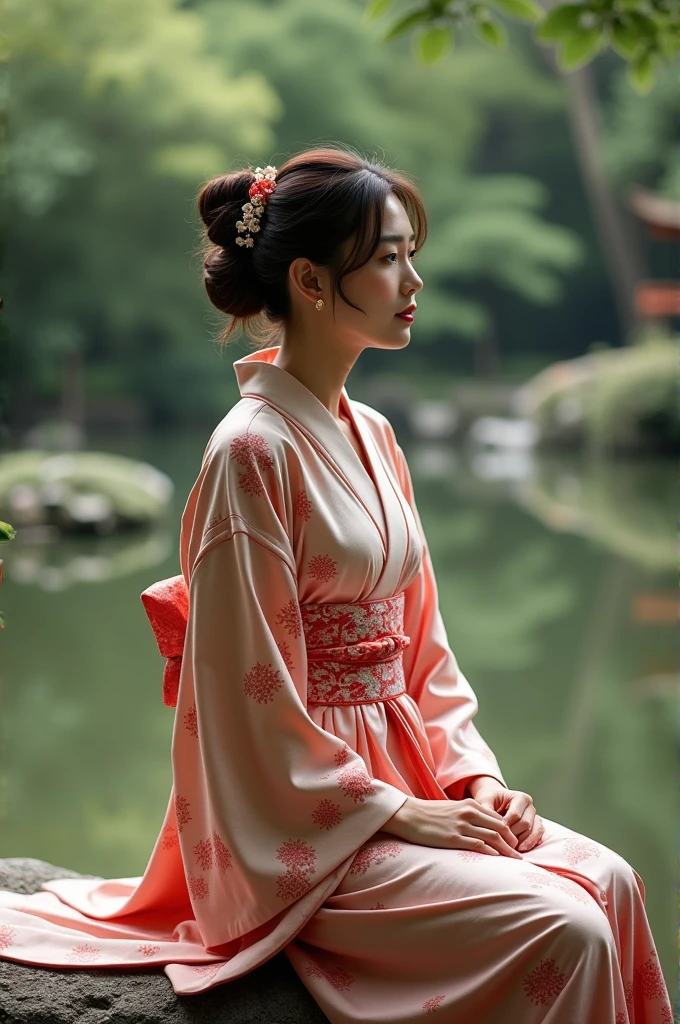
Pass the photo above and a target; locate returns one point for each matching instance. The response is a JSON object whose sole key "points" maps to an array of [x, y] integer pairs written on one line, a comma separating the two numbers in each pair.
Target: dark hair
{"points": [[322, 198]]}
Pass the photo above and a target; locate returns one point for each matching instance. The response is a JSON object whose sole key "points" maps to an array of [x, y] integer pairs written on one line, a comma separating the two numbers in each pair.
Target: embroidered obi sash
{"points": [[354, 651]]}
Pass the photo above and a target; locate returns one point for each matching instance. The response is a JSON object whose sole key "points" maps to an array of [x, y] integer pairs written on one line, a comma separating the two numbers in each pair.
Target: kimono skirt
{"points": [[558, 936]]}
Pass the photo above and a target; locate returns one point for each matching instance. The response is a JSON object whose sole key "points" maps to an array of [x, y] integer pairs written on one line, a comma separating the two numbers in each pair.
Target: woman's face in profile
{"points": [[382, 287]]}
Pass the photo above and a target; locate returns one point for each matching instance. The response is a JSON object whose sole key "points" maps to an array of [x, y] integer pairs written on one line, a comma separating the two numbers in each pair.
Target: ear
{"points": [[308, 280]]}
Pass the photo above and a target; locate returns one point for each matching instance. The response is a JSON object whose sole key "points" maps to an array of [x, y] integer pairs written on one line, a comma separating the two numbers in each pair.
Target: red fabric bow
{"points": [[167, 605]]}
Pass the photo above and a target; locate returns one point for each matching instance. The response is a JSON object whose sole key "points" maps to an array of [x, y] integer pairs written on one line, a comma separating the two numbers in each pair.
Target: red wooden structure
{"points": [[658, 299]]}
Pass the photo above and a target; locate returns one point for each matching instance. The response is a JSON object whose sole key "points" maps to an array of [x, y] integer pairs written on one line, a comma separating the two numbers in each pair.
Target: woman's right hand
{"points": [[453, 825]]}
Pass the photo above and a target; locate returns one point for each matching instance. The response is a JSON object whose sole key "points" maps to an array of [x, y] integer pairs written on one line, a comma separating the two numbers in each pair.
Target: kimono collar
{"points": [[259, 377], [257, 373], [378, 492]]}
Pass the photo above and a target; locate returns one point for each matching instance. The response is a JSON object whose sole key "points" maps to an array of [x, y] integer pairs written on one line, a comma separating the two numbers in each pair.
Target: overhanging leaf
{"points": [[526, 10], [560, 23], [7, 532], [404, 24], [433, 43], [492, 33], [625, 39], [376, 8], [577, 50], [641, 74], [645, 27]]}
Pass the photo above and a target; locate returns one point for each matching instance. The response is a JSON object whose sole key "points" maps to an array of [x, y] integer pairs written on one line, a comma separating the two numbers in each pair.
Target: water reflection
{"points": [[556, 583], [47, 559]]}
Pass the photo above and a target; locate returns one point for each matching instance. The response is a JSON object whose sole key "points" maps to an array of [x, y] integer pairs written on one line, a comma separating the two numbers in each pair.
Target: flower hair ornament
{"points": [[259, 192]]}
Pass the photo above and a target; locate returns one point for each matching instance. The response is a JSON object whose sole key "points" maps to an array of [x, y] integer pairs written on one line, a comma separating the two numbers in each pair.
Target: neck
{"points": [[321, 368]]}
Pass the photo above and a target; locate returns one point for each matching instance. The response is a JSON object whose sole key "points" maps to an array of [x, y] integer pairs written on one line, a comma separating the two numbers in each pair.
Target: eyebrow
{"points": [[396, 238]]}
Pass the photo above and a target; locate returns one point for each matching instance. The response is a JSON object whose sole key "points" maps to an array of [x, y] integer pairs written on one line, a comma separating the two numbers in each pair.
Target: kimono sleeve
{"points": [[268, 803], [444, 696]]}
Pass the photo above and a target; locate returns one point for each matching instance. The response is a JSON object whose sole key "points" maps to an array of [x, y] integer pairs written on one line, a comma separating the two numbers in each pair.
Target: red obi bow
{"points": [[167, 605]]}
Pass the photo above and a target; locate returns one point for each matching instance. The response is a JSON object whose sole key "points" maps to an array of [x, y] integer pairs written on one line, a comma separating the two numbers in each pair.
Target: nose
{"points": [[415, 285], [417, 281]]}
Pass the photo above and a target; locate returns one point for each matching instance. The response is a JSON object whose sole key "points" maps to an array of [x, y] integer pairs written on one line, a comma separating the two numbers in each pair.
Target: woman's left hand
{"points": [[516, 807]]}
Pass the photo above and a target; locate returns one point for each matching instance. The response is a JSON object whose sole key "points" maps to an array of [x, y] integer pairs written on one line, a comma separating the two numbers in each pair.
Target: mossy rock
{"points": [[75, 489], [616, 400], [270, 994]]}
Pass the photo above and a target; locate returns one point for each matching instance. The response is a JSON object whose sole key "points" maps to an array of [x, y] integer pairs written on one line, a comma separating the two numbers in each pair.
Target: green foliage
{"points": [[524, 10], [640, 135], [428, 119], [491, 230], [7, 532], [622, 400], [433, 43], [645, 33], [491, 31], [635, 403], [118, 114], [122, 110]]}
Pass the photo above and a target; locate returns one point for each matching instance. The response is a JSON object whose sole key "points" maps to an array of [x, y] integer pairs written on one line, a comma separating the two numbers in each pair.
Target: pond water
{"points": [[557, 584]]}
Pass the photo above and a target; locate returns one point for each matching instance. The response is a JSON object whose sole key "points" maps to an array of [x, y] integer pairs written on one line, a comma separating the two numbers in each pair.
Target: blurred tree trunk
{"points": [[72, 388], [487, 359], [614, 227]]}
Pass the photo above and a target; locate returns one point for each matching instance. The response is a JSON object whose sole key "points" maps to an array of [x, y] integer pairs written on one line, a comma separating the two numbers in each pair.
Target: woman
{"points": [[332, 796]]}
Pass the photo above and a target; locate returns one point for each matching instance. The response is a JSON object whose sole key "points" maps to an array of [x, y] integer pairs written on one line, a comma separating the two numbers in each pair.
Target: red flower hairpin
{"points": [[259, 192]]}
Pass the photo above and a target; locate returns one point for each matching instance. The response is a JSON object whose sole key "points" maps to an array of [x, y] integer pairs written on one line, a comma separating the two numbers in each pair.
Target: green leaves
{"points": [[559, 23], [492, 33], [642, 72], [409, 21], [645, 33], [641, 33], [7, 532], [525, 10], [580, 48], [434, 43], [624, 37], [582, 31], [376, 8]]}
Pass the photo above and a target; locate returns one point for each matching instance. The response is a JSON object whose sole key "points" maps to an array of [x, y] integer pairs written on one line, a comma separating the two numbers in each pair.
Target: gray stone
{"points": [[271, 994]]}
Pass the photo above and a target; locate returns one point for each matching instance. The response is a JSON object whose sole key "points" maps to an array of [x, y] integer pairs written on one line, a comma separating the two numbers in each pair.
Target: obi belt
{"points": [[354, 650]]}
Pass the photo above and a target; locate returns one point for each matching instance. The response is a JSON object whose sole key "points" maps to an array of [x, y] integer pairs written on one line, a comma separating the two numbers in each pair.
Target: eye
{"points": [[412, 254]]}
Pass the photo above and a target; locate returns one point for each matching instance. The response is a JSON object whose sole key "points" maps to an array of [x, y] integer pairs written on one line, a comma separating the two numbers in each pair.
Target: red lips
{"points": [[409, 309]]}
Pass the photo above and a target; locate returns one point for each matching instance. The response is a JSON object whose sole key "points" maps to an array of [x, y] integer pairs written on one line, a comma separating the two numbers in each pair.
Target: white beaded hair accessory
{"points": [[259, 192]]}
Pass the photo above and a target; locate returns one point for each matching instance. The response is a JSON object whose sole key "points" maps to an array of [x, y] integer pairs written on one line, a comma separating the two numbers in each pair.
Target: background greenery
{"points": [[119, 110]]}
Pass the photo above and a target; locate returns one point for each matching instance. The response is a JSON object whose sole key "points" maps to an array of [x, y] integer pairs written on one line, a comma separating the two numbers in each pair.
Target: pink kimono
{"points": [[315, 690]]}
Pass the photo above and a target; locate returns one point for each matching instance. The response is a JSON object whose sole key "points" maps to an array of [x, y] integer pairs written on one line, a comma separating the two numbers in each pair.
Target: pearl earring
{"points": [[319, 303]]}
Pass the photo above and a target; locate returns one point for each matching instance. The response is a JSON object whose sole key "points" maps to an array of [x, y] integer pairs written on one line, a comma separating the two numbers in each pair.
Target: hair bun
{"points": [[228, 272], [220, 205]]}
